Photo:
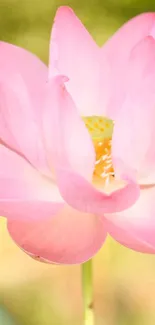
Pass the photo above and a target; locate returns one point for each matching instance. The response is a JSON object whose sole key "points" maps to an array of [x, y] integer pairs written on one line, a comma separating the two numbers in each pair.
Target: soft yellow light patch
{"points": [[101, 129]]}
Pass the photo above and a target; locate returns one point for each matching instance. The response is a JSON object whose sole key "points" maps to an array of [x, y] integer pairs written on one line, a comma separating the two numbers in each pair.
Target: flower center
{"points": [[101, 129]]}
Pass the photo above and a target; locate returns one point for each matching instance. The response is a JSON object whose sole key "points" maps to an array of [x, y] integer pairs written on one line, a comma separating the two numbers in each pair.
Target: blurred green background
{"points": [[124, 281]]}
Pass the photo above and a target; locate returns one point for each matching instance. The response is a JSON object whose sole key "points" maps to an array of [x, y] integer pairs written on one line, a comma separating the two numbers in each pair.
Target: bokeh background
{"points": [[32, 293]]}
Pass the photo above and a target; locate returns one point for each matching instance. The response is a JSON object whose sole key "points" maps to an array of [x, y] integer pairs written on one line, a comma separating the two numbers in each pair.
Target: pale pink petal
{"points": [[20, 129], [22, 83], [135, 227], [15, 60], [114, 57], [28, 211], [68, 238], [134, 132], [119, 46], [81, 195], [66, 138], [22, 187], [72, 154], [74, 54]]}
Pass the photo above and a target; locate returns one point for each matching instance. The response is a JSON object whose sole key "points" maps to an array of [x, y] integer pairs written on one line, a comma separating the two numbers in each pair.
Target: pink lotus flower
{"points": [[68, 173]]}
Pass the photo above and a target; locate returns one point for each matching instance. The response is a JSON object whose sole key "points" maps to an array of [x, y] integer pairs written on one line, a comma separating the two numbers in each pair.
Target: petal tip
{"points": [[64, 10]]}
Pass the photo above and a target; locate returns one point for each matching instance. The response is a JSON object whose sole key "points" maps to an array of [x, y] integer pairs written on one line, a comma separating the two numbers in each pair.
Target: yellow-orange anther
{"points": [[101, 130]]}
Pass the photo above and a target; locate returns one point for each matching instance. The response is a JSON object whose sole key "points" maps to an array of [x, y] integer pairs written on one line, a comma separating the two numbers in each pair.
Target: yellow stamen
{"points": [[101, 129]]}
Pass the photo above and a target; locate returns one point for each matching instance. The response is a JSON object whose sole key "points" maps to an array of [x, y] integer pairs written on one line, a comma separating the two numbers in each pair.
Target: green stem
{"points": [[87, 293]]}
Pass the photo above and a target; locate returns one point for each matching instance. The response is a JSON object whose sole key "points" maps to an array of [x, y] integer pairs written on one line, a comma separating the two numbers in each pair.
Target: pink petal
{"points": [[81, 195], [15, 60], [134, 132], [27, 211], [114, 56], [69, 237], [22, 83], [135, 227], [66, 137], [23, 189], [71, 152], [74, 53]]}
